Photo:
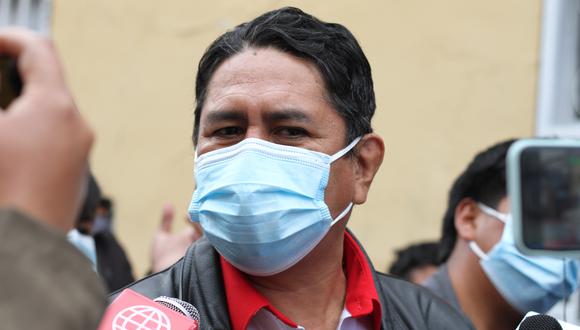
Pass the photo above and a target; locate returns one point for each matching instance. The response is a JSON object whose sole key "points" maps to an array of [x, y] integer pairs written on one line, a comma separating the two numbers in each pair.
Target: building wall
{"points": [[451, 77]]}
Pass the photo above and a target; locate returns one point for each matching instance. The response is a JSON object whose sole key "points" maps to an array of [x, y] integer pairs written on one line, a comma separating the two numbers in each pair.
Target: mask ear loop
{"points": [[332, 159], [478, 251], [345, 150], [342, 214], [489, 211]]}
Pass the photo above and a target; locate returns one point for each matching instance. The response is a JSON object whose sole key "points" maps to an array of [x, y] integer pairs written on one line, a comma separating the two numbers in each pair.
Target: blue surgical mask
{"points": [[261, 205], [527, 283], [85, 244], [101, 224]]}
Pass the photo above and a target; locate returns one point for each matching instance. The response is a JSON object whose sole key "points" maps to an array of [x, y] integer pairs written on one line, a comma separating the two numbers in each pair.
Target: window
{"points": [[559, 78], [33, 14]]}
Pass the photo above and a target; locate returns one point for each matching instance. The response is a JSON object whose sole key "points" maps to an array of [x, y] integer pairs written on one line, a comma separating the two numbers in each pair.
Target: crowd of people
{"points": [[284, 150]]}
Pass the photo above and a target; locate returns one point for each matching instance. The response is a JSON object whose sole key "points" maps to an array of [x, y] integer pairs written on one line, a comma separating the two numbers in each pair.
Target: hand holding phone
{"points": [[44, 142], [10, 84], [31, 14]]}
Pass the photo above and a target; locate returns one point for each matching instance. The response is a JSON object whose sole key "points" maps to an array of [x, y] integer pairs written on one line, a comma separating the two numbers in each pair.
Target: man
{"points": [[284, 149], [484, 276], [112, 262], [80, 236], [416, 262], [101, 247], [44, 145]]}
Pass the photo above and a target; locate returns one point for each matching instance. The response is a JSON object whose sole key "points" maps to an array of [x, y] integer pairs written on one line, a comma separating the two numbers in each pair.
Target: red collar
{"points": [[361, 295]]}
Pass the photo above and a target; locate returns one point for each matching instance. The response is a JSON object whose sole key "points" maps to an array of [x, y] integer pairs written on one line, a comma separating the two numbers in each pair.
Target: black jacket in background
{"points": [[197, 279], [112, 263]]}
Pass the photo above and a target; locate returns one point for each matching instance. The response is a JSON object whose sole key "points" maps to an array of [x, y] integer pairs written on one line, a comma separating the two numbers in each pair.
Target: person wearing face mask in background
{"points": [[484, 275], [284, 150], [104, 216], [80, 235], [100, 246], [416, 262]]}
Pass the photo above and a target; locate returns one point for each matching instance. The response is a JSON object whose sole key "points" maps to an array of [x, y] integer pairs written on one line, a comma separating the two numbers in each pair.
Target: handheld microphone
{"points": [[179, 306], [535, 321], [132, 311]]}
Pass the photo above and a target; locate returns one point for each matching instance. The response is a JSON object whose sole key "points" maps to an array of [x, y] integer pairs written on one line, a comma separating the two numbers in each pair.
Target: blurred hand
{"points": [[44, 142], [168, 247]]}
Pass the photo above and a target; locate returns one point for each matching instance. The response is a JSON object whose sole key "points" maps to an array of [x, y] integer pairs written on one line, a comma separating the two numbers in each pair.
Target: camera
{"points": [[31, 14], [544, 189]]}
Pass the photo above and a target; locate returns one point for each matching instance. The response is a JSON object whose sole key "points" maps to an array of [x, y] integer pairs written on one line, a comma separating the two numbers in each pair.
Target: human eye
{"points": [[291, 132], [228, 132]]}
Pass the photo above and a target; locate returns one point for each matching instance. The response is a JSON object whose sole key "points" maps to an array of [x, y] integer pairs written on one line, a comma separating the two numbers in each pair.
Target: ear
{"points": [[466, 213], [368, 158]]}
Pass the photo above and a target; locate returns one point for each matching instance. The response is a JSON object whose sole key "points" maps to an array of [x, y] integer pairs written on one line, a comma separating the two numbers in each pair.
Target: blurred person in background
{"points": [[416, 262], [80, 235], [112, 262], [483, 274], [104, 216], [167, 246], [100, 246], [44, 146]]}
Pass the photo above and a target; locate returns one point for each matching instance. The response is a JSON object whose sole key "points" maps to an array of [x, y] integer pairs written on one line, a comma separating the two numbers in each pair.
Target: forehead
{"points": [[259, 71]]}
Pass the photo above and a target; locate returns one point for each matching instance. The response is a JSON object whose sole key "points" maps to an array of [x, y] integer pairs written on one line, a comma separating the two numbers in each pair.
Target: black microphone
{"points": [[535, 321], [540, 322]]}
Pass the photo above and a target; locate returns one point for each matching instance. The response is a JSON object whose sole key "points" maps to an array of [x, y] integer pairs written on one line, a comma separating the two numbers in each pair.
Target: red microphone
{"points": [[132, 311]]}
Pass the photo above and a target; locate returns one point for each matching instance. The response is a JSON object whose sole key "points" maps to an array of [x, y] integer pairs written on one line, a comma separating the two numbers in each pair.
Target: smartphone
{"points": [[31, 14], [10, 84], [543, 177]]}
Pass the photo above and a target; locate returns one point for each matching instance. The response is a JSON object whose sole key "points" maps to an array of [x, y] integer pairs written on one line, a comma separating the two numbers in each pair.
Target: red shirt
{"points": [[361, 295]]}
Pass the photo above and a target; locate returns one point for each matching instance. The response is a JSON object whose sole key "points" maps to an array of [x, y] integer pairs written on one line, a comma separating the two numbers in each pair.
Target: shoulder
{"points": [[164, 283], [180, 278], [196, 279], [41, 269], [417, 307]]}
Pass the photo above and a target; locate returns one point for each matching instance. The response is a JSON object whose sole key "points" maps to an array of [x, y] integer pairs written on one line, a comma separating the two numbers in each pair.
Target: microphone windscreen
{"points": [[540, 322], [131, 310], [179, 306]]}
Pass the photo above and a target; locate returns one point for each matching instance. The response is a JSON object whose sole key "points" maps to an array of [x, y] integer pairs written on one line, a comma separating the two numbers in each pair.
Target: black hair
{"points": [[90, 204], [107, 204], [414, 256], [330, 46], [484, 180]]}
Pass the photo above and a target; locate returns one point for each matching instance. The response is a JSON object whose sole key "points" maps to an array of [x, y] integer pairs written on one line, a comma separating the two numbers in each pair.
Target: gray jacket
{"points": [[45, 282], [197, 279]]}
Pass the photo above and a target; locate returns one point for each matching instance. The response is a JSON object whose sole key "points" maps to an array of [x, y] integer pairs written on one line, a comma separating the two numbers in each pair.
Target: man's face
{"points": [[270, 95]]}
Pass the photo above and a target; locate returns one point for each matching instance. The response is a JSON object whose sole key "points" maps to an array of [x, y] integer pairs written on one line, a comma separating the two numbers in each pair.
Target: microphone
{"points": [[131, 311], [179, 306], [535, 321]]}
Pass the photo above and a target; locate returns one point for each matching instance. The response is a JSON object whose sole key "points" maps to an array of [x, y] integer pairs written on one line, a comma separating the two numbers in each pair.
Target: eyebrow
{"points": [[224, 115], [287, 114]]}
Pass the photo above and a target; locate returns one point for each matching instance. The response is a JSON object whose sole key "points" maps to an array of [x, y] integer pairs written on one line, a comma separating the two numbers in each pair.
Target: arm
{"points": [[46, 282], [44, 145]]}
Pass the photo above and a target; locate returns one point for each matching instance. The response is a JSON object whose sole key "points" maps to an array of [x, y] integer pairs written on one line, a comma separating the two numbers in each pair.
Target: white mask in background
{"points": [[85, 244]]}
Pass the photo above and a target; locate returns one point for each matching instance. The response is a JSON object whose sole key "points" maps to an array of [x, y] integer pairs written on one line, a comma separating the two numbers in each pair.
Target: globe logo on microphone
{"points": [[141, 317]]}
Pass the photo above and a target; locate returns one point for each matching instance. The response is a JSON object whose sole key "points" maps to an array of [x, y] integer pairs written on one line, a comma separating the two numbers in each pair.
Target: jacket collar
{"points": [[200, 279]]}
